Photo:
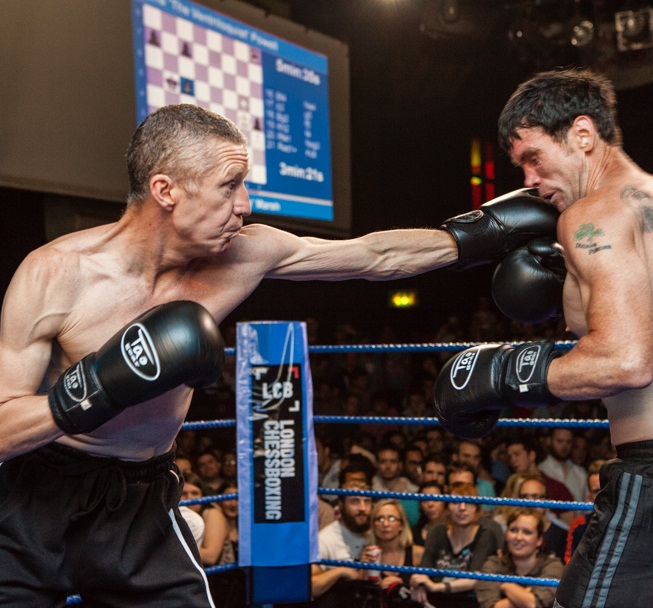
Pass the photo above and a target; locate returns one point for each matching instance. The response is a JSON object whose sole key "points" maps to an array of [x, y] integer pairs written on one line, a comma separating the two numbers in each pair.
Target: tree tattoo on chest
{"points": [[586, 236]]}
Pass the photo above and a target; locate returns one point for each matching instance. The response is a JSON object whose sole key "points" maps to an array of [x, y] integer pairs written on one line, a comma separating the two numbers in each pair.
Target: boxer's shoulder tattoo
{"points": [[589, 238], [641, 205]]}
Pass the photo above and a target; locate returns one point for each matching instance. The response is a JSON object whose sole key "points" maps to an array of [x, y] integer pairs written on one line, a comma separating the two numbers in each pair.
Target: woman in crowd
{"points": [[393, 535], [510, 490], [434, 512], [215, 523], [230, 510], [522, 557], [228, 588], [462, 545]]}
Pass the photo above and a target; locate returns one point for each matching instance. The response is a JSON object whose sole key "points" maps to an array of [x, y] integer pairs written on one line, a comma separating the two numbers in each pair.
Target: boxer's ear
{"points": [[583, 133], [163, 191]]}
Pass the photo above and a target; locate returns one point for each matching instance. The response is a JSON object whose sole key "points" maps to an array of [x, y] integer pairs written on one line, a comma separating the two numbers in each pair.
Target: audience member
{"points": [[469, 453], [510, 490], [209, 468], [195, 523], [460, 473], [344, 540], [413, 463], [602, 447], [230, 511], [392, 534], [435, 469], [187, 443], [435, 435], [229, 589], [433, 512], [389, 479], [523, 556], [416, 406], [559, 465], [351, 466], [580, 452], [523, 457], [215, 523], [578, 525], [229, 467], [462, 544], [325, 459], [420, 442], [555, 530], [183, 462]]}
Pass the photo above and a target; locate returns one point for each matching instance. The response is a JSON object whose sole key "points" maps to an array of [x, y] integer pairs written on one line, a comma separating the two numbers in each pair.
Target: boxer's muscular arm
{"points": [[604, 252], [27, 329], [378, 256]]}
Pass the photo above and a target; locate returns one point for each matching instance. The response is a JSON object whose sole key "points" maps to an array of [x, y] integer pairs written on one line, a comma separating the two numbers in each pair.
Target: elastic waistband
{"points": [[76, 462], [637, 450]]}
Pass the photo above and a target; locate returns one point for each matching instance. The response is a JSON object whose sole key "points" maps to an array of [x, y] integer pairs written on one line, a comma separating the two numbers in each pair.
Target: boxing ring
{"points": [[408, 421]]}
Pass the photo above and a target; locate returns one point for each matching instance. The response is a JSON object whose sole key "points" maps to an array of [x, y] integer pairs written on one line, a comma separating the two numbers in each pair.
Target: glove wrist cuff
{"points": [[470, 231], [77, 400], [526, 374]]}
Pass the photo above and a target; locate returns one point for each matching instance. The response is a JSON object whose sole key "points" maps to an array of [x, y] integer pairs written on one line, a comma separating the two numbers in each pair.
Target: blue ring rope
{"points": [[426, 421], [405, 348], [481, 576]]}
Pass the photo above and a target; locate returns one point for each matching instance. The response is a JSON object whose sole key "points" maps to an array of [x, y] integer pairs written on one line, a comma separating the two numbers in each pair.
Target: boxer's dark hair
{"points": [[553, 100]]}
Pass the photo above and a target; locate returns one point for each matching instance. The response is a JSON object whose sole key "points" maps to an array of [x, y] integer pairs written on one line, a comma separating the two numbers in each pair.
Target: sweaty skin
{"points": [[605, 229], [70, 296]]}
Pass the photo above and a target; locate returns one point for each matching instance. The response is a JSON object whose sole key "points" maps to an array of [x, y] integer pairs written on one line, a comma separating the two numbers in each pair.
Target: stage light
{"points": [[582, 33], [403, 299], [450, 11], [634, 29]]}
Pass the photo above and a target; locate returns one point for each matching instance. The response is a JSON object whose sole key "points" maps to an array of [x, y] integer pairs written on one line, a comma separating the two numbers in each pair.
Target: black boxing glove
{"points": [[475, 385], [527, 285], [167, 346], [499, 226]]}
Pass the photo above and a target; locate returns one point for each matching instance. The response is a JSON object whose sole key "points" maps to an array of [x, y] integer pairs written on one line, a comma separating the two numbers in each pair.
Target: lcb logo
{"points": [[139, 352]]}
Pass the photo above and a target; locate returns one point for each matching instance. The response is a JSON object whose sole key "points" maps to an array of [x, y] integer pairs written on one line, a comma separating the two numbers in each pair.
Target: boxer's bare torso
{"points": [[606, 230], [621, 228], [94, 289]]}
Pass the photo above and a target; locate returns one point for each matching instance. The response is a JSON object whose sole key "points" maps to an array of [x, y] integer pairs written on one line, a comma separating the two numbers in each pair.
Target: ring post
{"points": [[277, 508]]}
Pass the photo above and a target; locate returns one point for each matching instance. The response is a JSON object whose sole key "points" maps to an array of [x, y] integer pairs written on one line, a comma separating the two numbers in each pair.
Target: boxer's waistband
{"points": [[71, 461], [637, 450]]}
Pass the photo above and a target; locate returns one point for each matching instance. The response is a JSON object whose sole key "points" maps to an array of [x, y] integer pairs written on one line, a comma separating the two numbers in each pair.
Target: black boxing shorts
{"points": [[611, 568], [104, 528]]}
